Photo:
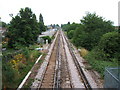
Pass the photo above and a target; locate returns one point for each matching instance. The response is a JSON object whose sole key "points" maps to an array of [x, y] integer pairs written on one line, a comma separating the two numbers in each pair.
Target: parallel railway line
{"points": [[49, 80], [83, 77], [63, 69]]}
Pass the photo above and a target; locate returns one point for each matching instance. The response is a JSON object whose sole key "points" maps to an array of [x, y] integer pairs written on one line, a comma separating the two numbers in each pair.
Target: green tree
{"points": [[47, 38], [41, 24], [79, 37], [119, 29], [110, 45], [68, 23], [23, 29], [4, 24], [70, 34], [68, 27], [94, 27], [57, 25], [41, 18]]}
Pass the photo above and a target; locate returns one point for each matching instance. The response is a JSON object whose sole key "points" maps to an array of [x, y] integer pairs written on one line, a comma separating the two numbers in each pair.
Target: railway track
{"points": [[80, 71], [65, 74], [51, 78], [58, 65], [63, 69]]}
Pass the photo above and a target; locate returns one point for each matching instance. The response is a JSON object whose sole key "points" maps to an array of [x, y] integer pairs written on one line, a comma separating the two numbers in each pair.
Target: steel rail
{"points": [[58, 65], [39, 87], [80, 71]]}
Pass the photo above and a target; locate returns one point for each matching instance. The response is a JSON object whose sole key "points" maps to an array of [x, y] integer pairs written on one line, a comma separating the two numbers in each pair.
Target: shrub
{"points": [[70, 34], [47, 38], [8, 74], [26, 52], [83, 52], [18, 65], [34, 54], [21, 66], [110, 45], [53, 37], [4, 45], [17, 59], [90, 31], [97, 61]]}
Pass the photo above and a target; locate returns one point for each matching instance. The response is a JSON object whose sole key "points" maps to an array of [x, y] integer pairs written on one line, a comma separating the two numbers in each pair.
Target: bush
{"points": [[98, 62], [21, 67], [4, 45], [16, 66], [68, 27], [90, 31], [53, 37], [34, 54], [79, 38], [70, 34], [110, 45], [26, 52], [106, 54], [83, 52], [47, 38], [8, 74]]}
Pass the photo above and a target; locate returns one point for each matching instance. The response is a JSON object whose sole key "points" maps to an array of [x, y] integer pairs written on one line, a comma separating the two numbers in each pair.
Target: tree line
{"points": [[96, 35]]}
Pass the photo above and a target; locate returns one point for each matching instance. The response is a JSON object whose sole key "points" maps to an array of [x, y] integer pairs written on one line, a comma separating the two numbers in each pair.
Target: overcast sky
{"points": [[61, 11]]}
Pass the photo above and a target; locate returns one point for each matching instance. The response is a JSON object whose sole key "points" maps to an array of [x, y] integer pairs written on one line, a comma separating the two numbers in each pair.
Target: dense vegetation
{"points": [[15, 65], [20, 42], [24, 29], [99, 37], [47, 38], [3, 24]]}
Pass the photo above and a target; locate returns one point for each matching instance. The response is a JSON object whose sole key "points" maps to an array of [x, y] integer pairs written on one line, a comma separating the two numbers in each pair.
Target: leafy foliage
{"points": [[3, 24], [15, 68], [42, 27], [41, 24], [70, 34], [68, 27], [99, 64], [79, 36], [99, 37], [110, 45], [23, 29], [106, 54], [47, 38], [88, 33], [8, 73], [90, 30]]}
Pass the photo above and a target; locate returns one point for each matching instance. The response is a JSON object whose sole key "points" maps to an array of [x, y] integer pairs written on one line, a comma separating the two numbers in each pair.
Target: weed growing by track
{"points": [[16, 66]]}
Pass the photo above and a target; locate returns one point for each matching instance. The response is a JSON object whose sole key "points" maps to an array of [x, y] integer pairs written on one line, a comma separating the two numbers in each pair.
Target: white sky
{"points": [[61, 11]]}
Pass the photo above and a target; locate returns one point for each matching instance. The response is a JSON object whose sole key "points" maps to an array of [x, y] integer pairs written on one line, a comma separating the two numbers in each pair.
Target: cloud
{"points": [[61, 11]]}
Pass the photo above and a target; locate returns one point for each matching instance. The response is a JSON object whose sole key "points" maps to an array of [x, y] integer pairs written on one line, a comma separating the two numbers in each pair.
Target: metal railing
{"points": [[112, 78]]}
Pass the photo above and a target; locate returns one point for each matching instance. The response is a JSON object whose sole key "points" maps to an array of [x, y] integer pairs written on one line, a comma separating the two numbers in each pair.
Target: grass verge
{"points": [[99, 64]]}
